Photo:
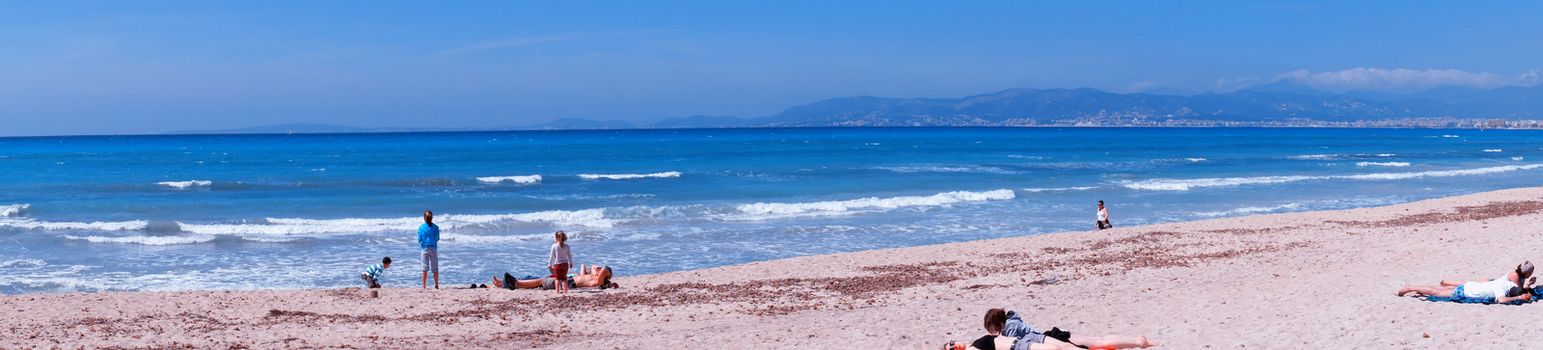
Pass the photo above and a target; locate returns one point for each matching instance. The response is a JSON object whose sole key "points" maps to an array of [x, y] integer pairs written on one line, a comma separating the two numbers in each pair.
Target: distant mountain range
{"points": [[1276, 104]]}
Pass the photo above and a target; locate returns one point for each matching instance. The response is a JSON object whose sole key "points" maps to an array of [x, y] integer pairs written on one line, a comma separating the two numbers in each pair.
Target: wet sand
{"points": [[1284, 281]]}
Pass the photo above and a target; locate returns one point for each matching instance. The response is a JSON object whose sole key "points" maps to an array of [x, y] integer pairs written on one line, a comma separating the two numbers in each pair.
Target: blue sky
{"points": [[144, 67]]}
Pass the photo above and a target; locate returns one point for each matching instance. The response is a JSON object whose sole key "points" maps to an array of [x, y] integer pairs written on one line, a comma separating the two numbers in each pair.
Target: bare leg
{"points": [[497, 283], [527, 284], [426, 280], [1451, 283], [1112, 342], [1434, 291], [436, 279]]}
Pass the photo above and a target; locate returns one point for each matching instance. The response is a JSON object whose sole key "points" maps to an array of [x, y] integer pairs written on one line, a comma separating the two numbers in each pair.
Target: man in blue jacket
{"points": [[428, 239]]}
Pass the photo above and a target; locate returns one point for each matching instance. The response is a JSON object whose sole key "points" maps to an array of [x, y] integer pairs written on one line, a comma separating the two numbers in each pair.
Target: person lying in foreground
{"points": [[1503, 290], [1006, 330], [596, 277]]}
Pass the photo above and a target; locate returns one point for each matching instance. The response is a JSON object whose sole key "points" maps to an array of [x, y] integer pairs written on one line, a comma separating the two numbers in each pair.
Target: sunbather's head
{"points": [[1523, 271], [605, 276], [996, 320]]}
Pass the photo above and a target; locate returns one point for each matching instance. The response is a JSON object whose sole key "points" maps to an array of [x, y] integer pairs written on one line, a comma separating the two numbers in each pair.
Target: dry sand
{"points": [[1286, 281]]}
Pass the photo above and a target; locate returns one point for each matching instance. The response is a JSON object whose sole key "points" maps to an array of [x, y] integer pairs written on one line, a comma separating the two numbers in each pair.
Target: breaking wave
{"points": [[522, 180], [182, 185], [1386, 164], [13, 210], [667, 174], [762, 211], [1188, 184]]}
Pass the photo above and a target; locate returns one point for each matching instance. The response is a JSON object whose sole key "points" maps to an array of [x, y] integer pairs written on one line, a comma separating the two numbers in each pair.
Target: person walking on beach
{"points": [[1103, 216], [558, 261], [428, 240]]}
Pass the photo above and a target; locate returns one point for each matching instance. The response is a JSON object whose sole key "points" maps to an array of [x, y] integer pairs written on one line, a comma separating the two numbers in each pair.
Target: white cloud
{"points": [[1404, 80]]}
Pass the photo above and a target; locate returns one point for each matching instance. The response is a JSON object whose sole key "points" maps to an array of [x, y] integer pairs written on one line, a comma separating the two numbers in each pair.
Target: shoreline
{"points": [[1320, 279]]}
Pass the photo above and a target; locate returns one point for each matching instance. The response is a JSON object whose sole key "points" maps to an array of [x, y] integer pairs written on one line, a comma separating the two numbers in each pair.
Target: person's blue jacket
{"points": [[428, 236]]}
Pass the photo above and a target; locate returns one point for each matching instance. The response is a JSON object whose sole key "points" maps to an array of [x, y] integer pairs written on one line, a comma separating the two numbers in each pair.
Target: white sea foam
{"points": [[460, 238], [588, 218], [1493, 150], [1387, 164], [18, 263], [146, 240], [1018, 156], [523, 180], [1315, 157], [762, 211], [1252, 210], [1518, 158], [592, 218], [1195, 159], [13, 210], [32, 224], [1188, 184], [1450, 136], [1059, 189], [946, 169], [661, 175], [1385, 155], [182, 185]]}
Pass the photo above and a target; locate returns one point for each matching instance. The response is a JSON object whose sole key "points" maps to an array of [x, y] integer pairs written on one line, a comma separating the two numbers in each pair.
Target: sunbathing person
{"points": [[1528, 292], [1499, 290], [596, 277], [1006, 330]]}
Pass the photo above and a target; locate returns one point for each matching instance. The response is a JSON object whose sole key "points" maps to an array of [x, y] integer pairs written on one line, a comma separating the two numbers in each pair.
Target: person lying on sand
{"points": [[596, 277], [1503, 290], [1528, 292], [1006, 330]]}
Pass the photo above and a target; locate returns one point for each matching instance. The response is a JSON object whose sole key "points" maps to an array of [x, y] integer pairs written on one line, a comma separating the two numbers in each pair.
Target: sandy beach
{"points": [[1284, 281]]}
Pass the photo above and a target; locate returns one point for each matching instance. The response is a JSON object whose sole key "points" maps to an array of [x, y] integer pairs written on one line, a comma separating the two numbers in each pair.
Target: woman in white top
{"points": [[1496, 289], [1103, 216]]}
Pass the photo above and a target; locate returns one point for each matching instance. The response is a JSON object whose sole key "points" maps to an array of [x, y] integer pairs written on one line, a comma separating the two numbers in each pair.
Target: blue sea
{"points": [[181, 212]]}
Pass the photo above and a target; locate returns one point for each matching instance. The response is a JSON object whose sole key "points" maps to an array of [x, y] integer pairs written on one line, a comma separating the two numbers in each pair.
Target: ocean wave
{"points": [[762, 211], [13, 210], [1493, 150], [1018, 156], [146, 240], [1450, 136], [523, 180], [946, 169], [588, 218], [1518, 158], [18, 263], [1059, 189], [1252, 210], [1387, 164], [1188, 184], [32, 224], [591, 218], [182, 185], [661, 175], [570, 197], [1195, 159], [1315, 157], [460, 238]]}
